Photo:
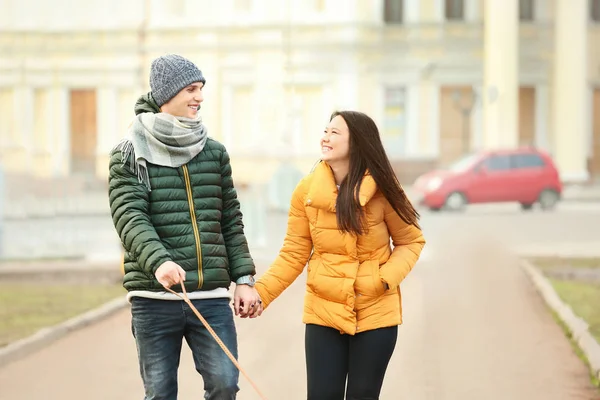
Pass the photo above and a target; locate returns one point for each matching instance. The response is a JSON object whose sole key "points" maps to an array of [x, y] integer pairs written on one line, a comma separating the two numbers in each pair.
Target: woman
{"points": [[341, 218]]}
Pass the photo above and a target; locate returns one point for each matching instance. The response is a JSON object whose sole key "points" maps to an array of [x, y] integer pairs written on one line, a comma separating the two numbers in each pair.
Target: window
{"points": [[595, 10], [309, 118], [465, 163], [242, 5], [394, 122], [497, 163], [319, 5], [8, 133], [241, 98], [527, 161], [395, 111], [393, 11], [455, 10], [526, 10], [40, 122]]}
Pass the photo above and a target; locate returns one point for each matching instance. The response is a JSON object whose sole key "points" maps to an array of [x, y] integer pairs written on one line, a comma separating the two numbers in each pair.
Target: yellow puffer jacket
{"points": [[344, 287]]}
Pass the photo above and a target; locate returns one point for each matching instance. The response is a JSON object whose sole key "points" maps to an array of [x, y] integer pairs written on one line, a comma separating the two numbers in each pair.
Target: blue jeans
{"points": [[159, 327]]}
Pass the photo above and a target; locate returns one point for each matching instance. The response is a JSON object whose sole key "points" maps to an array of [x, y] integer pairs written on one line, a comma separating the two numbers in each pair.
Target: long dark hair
{"points": [[367, 153]]}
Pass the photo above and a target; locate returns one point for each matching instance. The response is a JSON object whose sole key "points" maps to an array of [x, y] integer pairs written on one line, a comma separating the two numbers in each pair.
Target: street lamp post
{"points": [[465, 108]]}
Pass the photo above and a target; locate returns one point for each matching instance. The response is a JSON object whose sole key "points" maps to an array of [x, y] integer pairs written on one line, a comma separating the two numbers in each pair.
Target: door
{"points": [[527, 116], [83, 131], [528, 177], [456, 104], [492, 180]]}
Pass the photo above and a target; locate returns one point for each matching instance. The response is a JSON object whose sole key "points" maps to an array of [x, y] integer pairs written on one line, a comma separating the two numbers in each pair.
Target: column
{"points": [[7, 132], [434, 131], [42, 133], [570, 90], [411, 11], [477, 120], [226, 117], [472, 11], [432, 10], [269, 83], [429, 118], [501, 82], [62, 137], [413, 148], [347, 81], [542, 11], [589, 123], [108, 123], [24, 127]]}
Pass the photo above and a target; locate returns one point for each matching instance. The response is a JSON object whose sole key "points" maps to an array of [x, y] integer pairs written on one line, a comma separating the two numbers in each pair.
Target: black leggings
{"points": [[332, 357]]}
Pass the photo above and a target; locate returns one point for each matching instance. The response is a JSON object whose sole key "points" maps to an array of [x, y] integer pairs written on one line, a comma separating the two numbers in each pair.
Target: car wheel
{"points": [[548, 199], [526, 206], [455, 201]]}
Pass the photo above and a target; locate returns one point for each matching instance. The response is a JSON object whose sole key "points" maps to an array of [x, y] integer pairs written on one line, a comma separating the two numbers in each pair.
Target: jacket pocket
{"points": [[313, 266], [324, 282], [368, 282], [378, 288]]}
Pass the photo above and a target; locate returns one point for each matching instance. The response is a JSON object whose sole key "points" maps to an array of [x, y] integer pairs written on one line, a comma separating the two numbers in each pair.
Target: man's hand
{"points": [[247, 302], [169, 274]]}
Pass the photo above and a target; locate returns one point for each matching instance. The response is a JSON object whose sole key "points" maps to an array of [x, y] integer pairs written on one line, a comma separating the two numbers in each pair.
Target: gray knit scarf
{"points": [[161, 139]]}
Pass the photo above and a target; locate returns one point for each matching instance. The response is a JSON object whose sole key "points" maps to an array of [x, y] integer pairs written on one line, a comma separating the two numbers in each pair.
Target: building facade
{"points": [[440, 77]]}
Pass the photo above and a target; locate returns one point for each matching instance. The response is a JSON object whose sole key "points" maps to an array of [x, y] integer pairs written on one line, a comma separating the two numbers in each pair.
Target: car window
{"points": [[464, 163], [497, 163], [527, 161]]}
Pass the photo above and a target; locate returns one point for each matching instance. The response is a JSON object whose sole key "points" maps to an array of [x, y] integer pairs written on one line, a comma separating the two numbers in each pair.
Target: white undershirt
{"points": [[164, 295]]}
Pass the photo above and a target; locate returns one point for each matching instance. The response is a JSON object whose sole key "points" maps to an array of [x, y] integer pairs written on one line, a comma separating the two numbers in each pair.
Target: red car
{"points": [[524, 175]]}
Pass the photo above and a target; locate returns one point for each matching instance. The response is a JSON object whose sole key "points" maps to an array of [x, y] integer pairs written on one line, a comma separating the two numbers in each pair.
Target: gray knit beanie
{"points": [[171, 73]]}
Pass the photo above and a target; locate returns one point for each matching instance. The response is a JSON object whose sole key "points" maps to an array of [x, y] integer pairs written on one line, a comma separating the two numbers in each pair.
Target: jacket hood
{"points": [[146, 104], [323, 191]]}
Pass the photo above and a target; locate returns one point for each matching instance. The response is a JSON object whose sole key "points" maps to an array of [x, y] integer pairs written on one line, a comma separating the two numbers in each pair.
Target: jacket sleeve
{"points": [[408, 242], [293, 256], [129, 208], [232, 226]]}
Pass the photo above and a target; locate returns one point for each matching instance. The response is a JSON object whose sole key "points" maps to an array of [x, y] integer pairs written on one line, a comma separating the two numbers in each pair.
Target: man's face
{"points": [[186, 103]]}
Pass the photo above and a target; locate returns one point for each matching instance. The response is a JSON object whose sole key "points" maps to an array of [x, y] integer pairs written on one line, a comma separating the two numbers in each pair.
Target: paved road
{"points": [[474, 326], [94, 236]]}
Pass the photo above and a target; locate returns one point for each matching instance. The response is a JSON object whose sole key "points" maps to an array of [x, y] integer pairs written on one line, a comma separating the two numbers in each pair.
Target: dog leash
{"points": [[216, 337]]}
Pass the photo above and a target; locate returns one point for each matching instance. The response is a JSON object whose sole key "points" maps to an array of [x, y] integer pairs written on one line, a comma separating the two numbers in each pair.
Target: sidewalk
{"points": [[95, 203], [474, 327], [471, 331], [582, 193]]}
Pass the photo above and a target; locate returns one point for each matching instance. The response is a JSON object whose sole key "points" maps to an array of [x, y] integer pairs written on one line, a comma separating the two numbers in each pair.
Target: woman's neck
{"points": [[340, 171]]}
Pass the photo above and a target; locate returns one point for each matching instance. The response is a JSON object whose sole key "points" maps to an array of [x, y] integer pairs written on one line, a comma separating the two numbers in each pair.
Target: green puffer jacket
{"points": [[191, 216]]}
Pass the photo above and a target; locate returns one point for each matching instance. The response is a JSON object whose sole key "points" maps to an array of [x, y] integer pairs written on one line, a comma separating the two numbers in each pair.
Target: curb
{"points": [[105, 213], [577, 326], [45, 336], [10, 217]]}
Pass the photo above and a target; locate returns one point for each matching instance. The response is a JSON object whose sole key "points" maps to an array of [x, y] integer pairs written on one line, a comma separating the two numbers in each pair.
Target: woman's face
{"points": [[335, 143]]}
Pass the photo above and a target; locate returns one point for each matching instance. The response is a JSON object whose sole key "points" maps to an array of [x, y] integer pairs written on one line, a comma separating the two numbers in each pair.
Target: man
{"points": [[175, 208]]}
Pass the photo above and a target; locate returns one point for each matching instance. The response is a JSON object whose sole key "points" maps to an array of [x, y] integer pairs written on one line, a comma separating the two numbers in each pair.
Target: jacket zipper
{"points": [[188, 189]]}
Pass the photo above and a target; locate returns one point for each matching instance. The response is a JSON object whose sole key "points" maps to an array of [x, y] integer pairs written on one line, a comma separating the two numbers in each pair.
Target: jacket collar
{"points": [[323, 192]]}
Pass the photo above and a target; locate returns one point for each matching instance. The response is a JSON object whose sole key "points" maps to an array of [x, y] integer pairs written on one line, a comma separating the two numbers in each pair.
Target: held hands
{"points": [[247, 302], [169, 274]]}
